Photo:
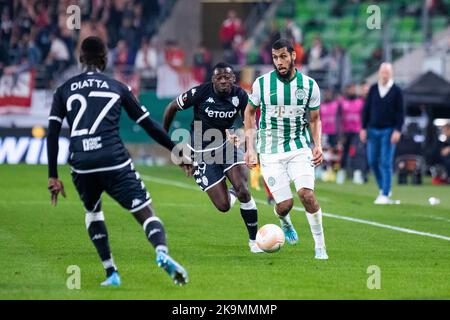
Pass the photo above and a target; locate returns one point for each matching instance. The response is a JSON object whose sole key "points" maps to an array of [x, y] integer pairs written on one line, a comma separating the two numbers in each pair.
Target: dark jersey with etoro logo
{"points": [[212, 112], [92, 103]]}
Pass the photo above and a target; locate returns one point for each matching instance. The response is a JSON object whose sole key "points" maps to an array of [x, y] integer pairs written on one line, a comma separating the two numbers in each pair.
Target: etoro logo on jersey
{"points": [[220, 114]]}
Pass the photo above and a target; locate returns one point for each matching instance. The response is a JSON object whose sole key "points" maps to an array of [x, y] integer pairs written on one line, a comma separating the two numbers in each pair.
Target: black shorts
{"points": [[210, 166], [124, 185]]}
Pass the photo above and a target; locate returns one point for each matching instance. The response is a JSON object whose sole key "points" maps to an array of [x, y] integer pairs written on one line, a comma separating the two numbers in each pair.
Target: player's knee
{"points": [[307, 197], [243, 194], [223, 206], [284, 207]]}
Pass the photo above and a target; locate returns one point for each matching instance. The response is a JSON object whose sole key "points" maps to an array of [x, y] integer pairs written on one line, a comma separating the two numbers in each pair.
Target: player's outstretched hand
{"points": [[251, 159], [55, 186], [317, 155], [233, 138], [187, 168]]}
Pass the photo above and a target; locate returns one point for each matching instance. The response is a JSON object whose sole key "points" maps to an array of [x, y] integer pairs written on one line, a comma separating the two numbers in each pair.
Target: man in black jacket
{"points": [[383, 118]]}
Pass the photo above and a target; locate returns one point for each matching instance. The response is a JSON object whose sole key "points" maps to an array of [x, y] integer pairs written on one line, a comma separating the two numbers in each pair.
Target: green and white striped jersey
{"points": [[283, 125]]}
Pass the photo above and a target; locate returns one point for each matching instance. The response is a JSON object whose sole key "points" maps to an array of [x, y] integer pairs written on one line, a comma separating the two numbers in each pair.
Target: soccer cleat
{"points": [[382, 200], [254, 247], [173, 268], [113, 280], [289, 232], [321, 254]]}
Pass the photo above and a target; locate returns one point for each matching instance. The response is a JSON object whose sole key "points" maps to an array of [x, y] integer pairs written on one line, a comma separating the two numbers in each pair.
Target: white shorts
{"points": [[280, 169]]}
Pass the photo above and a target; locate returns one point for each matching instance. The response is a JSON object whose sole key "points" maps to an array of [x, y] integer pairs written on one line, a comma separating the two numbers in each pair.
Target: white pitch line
{"points": [[329, 215]]}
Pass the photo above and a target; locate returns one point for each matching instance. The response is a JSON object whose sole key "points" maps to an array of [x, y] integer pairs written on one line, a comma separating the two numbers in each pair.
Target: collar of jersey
{"points": [[287, 81]]}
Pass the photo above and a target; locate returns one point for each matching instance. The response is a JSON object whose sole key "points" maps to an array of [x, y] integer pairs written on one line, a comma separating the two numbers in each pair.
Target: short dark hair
{"points": [[223, 65], [283, 43], [94, 52]]}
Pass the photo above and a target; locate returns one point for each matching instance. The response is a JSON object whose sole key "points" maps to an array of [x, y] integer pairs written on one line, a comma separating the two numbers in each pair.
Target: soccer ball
{"points": [[270, 238]]}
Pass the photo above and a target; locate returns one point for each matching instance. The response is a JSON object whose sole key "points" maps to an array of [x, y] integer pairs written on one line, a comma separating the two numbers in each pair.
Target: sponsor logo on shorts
{"points": [[205, 180], [136, 202]]}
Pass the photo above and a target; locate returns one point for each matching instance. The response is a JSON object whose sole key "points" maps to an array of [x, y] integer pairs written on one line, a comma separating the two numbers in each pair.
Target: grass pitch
{"points": [[39, 242]]}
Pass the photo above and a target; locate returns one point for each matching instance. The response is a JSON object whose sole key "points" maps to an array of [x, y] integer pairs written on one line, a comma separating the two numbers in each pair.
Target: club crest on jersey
{"points": [[300, 94], [235, 101]]}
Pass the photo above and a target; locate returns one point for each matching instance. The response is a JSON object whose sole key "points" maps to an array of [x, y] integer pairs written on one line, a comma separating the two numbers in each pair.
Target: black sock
{"points": [[251, 222], [155, 233], [99, 237]]}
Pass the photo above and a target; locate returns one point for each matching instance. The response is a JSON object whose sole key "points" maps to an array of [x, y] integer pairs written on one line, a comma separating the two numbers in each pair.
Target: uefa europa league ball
{"points": [[270, 238]]}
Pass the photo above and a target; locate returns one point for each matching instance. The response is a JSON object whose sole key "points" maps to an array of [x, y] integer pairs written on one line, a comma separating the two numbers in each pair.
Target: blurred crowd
{"points": [[34, 33], [333, 67], [341, 115]]}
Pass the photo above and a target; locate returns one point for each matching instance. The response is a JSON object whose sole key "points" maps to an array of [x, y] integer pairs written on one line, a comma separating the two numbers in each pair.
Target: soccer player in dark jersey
{"points": [[216, 105], [92, 103]]}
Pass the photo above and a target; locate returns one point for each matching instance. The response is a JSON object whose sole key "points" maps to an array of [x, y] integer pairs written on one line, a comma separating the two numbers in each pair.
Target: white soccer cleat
{"points": [[321, 254], [382, 200], [254, 247]]}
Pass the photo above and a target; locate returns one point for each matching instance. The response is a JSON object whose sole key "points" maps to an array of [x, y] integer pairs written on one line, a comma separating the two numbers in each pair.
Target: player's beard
{"points": [[288, 73]]}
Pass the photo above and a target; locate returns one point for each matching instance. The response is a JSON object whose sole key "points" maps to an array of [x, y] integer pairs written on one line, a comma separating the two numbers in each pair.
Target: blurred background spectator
{"points": [[350, 117], [146, 59], [202, 63], [231, 27]]}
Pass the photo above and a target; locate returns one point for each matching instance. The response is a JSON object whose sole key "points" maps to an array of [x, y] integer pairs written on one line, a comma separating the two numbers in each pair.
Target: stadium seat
{"points": [[439, 23]]}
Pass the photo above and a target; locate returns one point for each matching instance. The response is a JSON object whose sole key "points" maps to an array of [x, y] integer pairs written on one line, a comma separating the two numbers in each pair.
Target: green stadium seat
{"points": [[417, 37], [308, 39], [439, 23], [252, 56], [403, 36], [286, 9], [406, 24], [346, 24]]}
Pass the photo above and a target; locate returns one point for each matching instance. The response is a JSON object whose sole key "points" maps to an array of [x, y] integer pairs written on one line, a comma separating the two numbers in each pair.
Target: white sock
{"points": [[284, 219], [251, 205], [315, 223], [232, 199]]}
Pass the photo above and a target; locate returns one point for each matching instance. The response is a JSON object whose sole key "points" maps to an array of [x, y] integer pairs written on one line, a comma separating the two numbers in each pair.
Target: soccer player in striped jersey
{"points": [[286, 97]]}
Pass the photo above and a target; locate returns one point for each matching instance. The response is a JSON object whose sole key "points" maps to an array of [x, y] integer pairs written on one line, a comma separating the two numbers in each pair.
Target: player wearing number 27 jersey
{"points": [[92, 103]]}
